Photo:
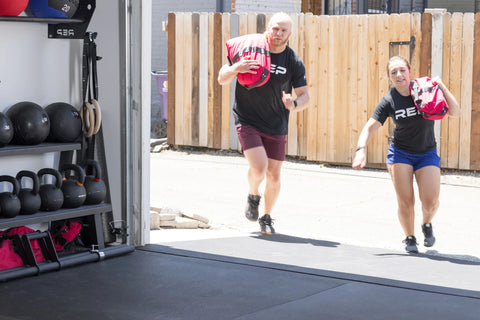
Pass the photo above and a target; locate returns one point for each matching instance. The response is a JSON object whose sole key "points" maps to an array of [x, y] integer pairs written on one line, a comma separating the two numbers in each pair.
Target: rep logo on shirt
{"points": [[274, 69], [406, 113]]}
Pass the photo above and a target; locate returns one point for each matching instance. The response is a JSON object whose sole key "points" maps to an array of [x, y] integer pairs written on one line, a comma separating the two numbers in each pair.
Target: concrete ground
{"points": [[316, 202], [337, 254]]}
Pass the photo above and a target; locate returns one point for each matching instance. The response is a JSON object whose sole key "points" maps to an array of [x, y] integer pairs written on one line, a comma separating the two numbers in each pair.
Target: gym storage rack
{"points": [[58, 28], [62, 28]]}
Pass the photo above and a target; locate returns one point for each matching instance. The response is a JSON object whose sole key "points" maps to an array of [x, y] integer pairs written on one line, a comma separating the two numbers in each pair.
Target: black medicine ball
{"points": [[65, 122], [6, 130], [52, 8], [30, 123]]}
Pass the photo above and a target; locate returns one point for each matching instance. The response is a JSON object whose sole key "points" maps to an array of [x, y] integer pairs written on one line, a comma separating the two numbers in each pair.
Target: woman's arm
{"points": [[367, 133], [453, 107]]}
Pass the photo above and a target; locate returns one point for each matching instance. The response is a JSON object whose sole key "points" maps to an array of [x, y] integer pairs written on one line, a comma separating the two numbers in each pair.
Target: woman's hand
{"points": [[360, 159]]}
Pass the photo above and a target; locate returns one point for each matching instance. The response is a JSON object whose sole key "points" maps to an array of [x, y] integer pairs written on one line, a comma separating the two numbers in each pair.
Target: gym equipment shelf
{"points": [[63, 28], [17, 150], [95, 216], [47, 216]]}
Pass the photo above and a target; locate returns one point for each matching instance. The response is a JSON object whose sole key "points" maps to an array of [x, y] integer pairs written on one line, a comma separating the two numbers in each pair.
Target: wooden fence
{"points": [[345, 58]]}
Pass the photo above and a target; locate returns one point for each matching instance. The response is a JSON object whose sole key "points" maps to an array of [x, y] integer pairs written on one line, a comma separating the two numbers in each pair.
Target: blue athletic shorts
{"points": [[417, 161]]}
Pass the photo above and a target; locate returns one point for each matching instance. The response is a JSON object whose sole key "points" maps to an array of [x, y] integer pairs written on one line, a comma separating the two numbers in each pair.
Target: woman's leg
{"points": [[402, 177], [428, 181]]}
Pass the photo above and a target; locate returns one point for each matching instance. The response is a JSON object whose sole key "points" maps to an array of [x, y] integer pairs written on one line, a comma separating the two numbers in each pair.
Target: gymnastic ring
{"points": [[98, 116], [88, 119]]}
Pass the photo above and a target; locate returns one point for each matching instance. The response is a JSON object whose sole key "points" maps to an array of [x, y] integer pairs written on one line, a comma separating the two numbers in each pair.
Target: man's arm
{"points": [[228, 72], [301, 101]]}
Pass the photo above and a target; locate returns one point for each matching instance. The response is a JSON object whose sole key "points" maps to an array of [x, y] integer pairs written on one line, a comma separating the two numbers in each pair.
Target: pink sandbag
{"points": [[254, 47], [428, 98]]}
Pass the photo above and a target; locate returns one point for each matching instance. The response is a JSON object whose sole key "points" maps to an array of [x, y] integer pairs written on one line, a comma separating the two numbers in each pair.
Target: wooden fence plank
{"points": [[225, 118], [242, 24], [404, 35], [475, 115], [171, 37], [292, 138], [234, 143], [187, 80], [377, 146], [311, 49], [218, 59], [195, 76], [444, 150], [416, 31], [332, 101], [203, 81], [437, 65], [302, 116], [344, 139], [397, 36], [362, 81], [212, 80], [261, 23], [179, 67], [466, 92], [252, 22], [455, 87], [426, 45], [322, 83]]}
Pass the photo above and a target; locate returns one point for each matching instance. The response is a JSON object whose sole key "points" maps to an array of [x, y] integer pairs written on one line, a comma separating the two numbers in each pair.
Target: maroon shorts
{"points": [[274, 144]]}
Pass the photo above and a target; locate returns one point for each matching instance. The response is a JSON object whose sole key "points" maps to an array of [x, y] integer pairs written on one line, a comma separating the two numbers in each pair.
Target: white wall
{"points": [[106, 22], [37, 69]]}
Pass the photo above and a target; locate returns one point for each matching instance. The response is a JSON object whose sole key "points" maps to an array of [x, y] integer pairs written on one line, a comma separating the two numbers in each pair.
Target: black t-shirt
{"points": [[262, 107], [412, 133]]}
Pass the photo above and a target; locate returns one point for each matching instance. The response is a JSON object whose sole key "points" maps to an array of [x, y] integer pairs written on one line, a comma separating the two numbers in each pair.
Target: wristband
{"points": [[359, 148], [295, 103]]}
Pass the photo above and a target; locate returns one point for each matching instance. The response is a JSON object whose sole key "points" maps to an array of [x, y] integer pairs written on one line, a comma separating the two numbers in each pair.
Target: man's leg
{"points": [[258, 162], [272, 187]]}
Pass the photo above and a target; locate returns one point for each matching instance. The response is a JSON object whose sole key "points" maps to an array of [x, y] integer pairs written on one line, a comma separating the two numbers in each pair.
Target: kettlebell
{"points": [[29, 198], [94, 185], [9, 203], [51, 194], [74, 193]]}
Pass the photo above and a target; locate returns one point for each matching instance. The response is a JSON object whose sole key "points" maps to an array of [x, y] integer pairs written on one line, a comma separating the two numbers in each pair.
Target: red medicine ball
{"points": [[12, 7]]}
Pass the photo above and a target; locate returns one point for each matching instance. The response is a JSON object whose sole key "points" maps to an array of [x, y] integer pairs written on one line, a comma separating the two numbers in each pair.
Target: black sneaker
{"points": [[251, 211], [266, 224], [411, 244], [428, 233]]}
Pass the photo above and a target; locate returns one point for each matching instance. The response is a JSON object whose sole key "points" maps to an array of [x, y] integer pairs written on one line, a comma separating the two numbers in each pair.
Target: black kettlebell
{"points": [[51, 194], [29, 197], [94, 185], [9, 203], [74, 193]]}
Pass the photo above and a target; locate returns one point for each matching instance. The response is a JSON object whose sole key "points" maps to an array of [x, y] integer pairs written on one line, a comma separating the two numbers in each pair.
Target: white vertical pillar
{"points": [[437, 62]]}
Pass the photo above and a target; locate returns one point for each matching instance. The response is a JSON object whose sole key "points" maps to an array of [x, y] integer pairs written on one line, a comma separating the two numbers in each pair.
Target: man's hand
{"points": [[246, 65], [288, 101]]}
